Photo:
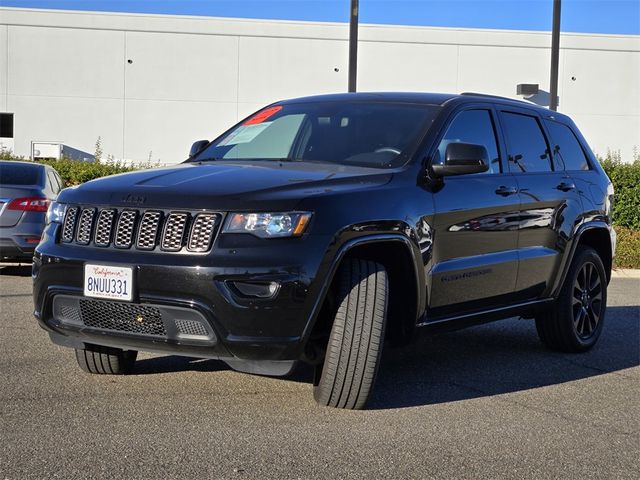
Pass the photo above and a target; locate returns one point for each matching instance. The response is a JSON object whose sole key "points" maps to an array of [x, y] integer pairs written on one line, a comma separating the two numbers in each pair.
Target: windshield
{"points": [[350, 133]]}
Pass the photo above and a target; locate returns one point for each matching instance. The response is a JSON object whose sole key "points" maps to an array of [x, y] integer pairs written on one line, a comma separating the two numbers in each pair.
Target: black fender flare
{"points": [[582, 228], [344, 249]]}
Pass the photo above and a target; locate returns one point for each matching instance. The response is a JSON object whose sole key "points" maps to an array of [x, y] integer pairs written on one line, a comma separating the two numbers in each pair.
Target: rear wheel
{"points": [[356, 339], [106, 360], [577, 319]]}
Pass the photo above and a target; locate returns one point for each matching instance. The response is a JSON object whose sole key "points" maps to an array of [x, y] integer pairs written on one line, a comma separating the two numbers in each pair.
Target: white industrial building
{"points": [[149, 85]]}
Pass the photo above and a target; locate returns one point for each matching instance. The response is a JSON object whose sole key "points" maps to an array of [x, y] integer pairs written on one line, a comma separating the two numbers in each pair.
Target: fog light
{"points": [[258, 289]]}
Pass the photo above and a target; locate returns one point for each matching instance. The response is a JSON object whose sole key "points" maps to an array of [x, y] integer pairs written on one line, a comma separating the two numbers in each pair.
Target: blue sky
{"points": [[589, 16]]}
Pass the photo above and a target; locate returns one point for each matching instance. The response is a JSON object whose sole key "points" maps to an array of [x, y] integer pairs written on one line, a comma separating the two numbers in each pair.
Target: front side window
{"points": [[476, 127], [566, 148], [379, 135], [528, 150]]}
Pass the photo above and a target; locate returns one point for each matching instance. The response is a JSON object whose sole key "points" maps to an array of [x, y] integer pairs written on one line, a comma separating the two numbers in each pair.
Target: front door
{"points": [[475, 225]]}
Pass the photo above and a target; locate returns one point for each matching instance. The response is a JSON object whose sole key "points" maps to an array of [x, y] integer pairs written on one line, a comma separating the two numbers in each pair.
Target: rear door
{"points": [[475, 223], [550, 203]]}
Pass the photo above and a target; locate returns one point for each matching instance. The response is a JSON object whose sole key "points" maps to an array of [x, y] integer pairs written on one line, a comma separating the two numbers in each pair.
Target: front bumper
{"points": [[255, 335]]}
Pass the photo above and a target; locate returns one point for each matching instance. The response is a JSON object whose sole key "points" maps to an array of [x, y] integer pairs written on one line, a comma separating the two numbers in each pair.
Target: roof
{"points": [[18, 162], [408, 97], [424, 98]]}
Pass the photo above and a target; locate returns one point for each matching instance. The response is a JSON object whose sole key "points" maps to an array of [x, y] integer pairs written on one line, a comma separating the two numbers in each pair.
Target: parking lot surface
{"points": [[487, 402]]}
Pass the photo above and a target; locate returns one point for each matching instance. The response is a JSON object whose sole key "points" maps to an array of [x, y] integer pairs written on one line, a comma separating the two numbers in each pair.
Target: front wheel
{"points": [[575, 322], [355, 344], [106, 360]]}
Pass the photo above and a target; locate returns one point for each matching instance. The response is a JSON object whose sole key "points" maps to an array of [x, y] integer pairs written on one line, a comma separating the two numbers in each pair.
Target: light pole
{"points": [[353, 45], [555, 55]]}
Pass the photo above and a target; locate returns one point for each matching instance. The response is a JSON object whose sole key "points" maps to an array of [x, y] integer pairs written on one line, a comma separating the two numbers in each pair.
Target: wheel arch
{"points": [[597, 235], [407, 287]]}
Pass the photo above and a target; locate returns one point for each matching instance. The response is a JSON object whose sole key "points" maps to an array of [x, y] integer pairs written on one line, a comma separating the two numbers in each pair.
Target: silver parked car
{"points": [[26, 190]]}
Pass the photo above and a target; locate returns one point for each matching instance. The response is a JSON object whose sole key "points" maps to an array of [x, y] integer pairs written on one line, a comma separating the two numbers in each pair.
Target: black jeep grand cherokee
{"points": [[319, 227]]}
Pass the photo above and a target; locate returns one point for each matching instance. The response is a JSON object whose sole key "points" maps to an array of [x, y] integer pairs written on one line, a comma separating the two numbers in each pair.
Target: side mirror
{"points": [[197, 147], [462, 159]]}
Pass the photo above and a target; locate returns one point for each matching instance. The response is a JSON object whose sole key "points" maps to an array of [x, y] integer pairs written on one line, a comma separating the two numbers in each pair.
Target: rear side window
{"points": [[55, 186], [472, 126], [566, 148], [19, 174], [528, 150]]}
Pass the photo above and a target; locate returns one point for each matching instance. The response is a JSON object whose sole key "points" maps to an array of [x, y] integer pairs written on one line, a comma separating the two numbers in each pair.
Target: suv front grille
{"points": [[148, 231], [103, 228], [202, 232], [68, 229], [85, 225], [124, 230], [172, 231]]}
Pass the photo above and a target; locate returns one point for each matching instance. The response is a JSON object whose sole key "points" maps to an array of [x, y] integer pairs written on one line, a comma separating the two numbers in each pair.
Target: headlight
{"points": [[55, 213], [268, 225]]}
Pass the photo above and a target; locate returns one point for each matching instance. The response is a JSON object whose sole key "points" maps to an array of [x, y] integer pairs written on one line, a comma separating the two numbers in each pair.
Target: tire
{"points": [[575, 322], [106, 360], [357, 336]]}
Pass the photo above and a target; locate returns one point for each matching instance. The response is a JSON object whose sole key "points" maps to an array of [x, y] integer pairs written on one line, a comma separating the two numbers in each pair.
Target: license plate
{"points": [[106, 281]]}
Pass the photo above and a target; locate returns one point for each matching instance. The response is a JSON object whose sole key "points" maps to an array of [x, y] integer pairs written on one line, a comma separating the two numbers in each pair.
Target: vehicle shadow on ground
{"points": [[22, 270], [175, 363], [498, 358], [492, 359]]}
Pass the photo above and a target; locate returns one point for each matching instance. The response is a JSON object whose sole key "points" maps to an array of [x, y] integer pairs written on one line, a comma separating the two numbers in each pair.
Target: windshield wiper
{"points": [[208, 159]]}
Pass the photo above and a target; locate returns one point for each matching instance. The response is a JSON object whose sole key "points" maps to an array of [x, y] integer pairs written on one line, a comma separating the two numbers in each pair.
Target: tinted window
{"points": [[19, 174], [472, 126], [528, 151], [566, 148], [349, 133]]}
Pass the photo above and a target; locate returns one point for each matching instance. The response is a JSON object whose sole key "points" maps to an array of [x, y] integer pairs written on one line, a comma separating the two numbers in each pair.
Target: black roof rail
{"points": [[474, 94]]}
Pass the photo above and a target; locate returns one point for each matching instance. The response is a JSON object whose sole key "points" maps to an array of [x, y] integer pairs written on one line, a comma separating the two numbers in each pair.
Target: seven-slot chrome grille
{"points": [[169, 231]]}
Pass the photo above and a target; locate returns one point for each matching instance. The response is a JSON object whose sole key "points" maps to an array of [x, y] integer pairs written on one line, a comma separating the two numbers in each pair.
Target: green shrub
{"points": [[626, 184], [627, 248], [74, 172]]}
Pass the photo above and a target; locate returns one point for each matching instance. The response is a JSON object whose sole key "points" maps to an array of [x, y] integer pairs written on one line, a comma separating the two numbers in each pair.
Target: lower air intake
{"points": [[122, 317]]}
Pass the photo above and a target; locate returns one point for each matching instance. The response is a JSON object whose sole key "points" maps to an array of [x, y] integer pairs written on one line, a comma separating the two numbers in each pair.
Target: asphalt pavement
{"points": [[486, 402]]}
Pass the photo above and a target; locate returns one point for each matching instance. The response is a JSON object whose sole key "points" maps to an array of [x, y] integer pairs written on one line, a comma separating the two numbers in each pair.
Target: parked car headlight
{"points": [[55, 213], [268, 225]]}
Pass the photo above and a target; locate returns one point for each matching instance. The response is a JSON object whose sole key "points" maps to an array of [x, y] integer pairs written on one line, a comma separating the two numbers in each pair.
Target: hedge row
{"points": [[627, 248], [626, 184]]}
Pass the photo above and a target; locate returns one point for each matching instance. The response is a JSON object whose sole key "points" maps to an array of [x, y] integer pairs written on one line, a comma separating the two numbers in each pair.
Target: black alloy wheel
{"points": [[587, 300]]}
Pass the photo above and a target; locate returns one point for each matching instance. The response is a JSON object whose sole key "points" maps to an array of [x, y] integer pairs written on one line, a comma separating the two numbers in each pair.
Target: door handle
{"points": [[506, 191], [566, 186]]}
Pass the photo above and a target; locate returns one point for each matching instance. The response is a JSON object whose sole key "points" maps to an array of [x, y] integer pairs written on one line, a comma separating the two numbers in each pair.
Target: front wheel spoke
{"points": [[581, 279], [578, 322], [591, 322], [596, 290]]}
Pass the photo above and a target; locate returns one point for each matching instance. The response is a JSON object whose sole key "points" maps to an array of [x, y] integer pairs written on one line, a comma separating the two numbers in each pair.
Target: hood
{"points": [[220, 185]]}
